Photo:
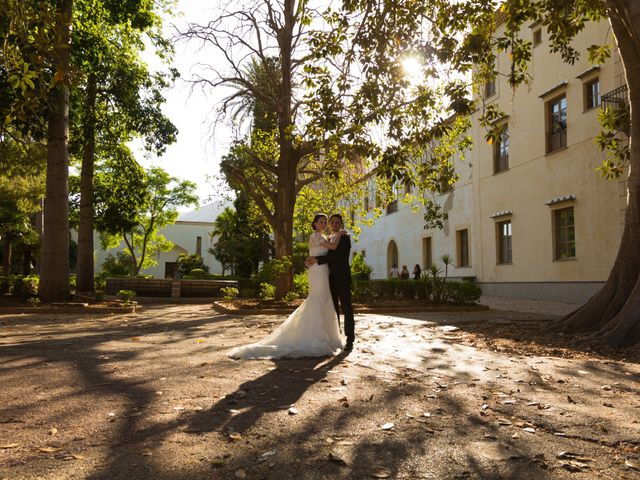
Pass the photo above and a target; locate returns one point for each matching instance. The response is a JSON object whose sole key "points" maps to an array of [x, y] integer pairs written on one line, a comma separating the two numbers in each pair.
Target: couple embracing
{"points": [[312, 330]]}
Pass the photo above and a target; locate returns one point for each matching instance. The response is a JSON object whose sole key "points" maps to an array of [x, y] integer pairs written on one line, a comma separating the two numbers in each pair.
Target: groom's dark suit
{"points": [[340, 282]]}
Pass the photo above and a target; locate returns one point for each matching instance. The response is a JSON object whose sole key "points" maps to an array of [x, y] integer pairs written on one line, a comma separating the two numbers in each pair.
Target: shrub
{"points": [[30, 285], [99, 282], [198, 273], [15, 285], [125, 296], [291, 296], [248, 287], [271, 270], [300, 254], [33, 301], [5, 285], [21, 286], [372, 290], [267, 291], [229, 293], [118, 265], [464, 292], [188, 263], [359, 269], [301, 285], [437, 286]]}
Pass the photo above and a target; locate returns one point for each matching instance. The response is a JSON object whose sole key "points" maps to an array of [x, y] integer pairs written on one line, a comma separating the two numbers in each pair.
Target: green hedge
{"points": [[20, 285], [210, 276], [248, 287], [463, 292], [456, 292]]}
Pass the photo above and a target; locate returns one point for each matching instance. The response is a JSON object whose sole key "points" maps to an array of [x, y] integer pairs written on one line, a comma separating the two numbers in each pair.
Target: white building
{"points": [[189, 235]]}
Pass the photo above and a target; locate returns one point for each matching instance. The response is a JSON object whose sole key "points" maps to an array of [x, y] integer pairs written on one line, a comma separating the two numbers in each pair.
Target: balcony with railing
{"points": [[618, 101], [616, 98]]}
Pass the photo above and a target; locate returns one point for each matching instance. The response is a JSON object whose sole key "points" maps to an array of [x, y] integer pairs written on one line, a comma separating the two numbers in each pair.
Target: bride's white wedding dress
{"points": [[310, 331]]}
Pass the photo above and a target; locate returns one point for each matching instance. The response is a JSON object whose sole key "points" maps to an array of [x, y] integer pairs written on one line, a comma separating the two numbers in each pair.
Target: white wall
{"points": [[183, 235], [406, 228]]}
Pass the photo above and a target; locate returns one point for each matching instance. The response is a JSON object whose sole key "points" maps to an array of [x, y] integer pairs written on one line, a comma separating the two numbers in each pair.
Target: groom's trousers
{"points": [[342, 301]]}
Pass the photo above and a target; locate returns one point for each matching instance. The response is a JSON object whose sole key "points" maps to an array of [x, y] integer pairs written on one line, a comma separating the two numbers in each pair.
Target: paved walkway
{"points": [[442, 395]]}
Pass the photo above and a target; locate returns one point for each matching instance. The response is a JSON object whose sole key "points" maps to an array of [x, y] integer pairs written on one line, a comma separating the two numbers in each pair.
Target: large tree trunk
{"points": [[613, 314], [287, 165], [7, 242], [40, 231], [283, 235], [54, 273], [84, 274]]}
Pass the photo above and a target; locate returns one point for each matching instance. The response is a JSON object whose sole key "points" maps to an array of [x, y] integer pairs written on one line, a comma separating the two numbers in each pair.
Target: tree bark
{"points": [[54, 274], [612, 315], [287, 164], [84, 274], [39, 221], [6, 254]]}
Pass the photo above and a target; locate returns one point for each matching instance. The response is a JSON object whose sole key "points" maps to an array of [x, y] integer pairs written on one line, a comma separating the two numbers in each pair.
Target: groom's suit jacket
{"points": [[338, 260]]}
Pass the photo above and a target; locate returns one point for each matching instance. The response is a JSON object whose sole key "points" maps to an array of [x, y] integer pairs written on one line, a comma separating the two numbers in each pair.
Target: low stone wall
{"points": [[145, 287], [204, 288], [156, 287], [569, 292]]}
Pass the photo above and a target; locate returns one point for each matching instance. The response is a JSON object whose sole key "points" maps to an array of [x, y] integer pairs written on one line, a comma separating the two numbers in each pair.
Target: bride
{"points": [[312, 330]]}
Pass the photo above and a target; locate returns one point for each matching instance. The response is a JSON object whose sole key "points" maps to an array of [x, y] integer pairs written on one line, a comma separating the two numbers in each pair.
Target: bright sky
{"points": [[198, 150]]}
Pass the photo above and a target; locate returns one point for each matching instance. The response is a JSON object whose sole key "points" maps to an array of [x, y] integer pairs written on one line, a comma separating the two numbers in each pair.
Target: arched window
{"points": [[392, 255]]}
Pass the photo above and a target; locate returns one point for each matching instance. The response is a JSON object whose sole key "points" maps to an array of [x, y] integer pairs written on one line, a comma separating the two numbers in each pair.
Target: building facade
{"points": [[530, 216], [189, 235]]}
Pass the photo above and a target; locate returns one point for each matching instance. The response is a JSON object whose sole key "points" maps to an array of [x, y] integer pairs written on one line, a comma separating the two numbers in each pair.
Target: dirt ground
{"points": [[472, 395]]}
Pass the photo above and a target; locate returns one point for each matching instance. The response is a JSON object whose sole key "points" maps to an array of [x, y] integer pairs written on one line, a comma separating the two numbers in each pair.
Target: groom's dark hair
{"points": [[336, 215]]}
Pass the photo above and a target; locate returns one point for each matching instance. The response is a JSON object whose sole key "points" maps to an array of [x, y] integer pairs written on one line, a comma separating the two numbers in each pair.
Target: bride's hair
{"points": [[316, 218]]}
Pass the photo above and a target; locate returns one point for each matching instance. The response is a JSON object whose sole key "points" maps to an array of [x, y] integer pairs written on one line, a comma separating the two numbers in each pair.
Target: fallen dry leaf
{"points": [[632, 464], [574, 466], [573, 456], [388, 426], [235, 436], [293, 411], [53, 431], [382, 473], [495, 450], [337, 459], [6, 446], [240, 473], [49, 449]]}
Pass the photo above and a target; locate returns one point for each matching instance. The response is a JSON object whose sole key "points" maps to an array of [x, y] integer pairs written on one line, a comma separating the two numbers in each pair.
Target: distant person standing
{"points": [[394, 273], [417, 271], [404, 274]]}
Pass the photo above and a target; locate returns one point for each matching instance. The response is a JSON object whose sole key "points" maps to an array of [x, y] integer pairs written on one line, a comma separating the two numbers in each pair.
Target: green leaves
{"points": [[598, 54], [613, 120]]}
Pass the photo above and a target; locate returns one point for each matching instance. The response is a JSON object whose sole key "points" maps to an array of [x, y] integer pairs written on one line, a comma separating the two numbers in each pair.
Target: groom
{"points": [[339, 278]]}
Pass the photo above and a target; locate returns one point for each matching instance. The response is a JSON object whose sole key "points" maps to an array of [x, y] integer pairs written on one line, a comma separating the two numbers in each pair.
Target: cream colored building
{"points": [[189, 234], [539, 220]]}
